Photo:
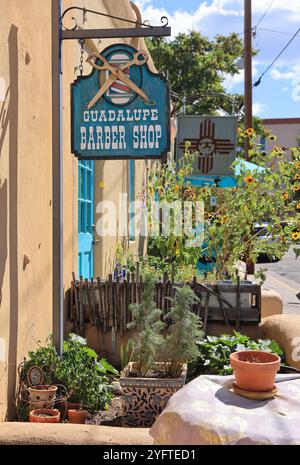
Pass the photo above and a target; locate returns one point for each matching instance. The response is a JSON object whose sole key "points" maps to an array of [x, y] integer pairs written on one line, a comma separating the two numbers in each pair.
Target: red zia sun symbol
{"points": [[208, 146]]}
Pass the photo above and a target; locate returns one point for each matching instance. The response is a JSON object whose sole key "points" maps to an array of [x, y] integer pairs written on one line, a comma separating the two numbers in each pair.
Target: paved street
{"points": [[284, 277]]}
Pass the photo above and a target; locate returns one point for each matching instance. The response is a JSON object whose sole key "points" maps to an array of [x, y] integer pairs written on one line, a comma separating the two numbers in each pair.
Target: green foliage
{"points": [[150, 346], [185, 330], [260, 196], [146, 320], [79, 370], [125, 354], [45, 357], [196, 66], [214, 353]]}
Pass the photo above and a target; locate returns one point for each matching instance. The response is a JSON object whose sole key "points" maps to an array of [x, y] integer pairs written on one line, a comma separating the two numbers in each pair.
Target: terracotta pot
{"points": [[42, 396], [74, 406], [53, 416], [255, 370], [77, 416], [143, 399]]}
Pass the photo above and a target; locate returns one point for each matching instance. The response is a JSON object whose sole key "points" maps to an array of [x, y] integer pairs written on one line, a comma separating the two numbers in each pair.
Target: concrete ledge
{"points": [[67, 434]]}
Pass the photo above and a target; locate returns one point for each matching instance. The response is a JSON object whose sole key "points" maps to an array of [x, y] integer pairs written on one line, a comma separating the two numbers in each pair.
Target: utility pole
{"points": [[248, 65]]}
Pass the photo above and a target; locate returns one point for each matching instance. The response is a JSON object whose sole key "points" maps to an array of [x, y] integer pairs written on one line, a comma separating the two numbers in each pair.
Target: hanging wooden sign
{"points": [[122, 109], [214, 140]]}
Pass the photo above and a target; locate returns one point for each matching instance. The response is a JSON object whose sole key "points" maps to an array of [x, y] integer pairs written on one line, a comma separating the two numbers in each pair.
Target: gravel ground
{"points": [[110, 417]]}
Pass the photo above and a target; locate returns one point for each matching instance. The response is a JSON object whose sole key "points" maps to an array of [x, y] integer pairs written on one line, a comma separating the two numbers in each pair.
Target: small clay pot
{"points": [[74, 406], [255, 370], [42, 396], [51, 416], [77, 416]]}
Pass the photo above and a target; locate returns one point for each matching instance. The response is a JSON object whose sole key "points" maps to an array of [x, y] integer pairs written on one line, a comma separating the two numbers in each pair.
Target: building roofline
{"points": [[281, 121]]}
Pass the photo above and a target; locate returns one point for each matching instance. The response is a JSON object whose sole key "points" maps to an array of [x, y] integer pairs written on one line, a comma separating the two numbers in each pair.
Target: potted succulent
{"points": [[255, 370], [159, 365]]}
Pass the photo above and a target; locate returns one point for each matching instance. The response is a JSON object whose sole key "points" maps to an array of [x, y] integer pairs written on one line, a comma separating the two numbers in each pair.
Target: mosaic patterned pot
{"points": [[144, 399]]}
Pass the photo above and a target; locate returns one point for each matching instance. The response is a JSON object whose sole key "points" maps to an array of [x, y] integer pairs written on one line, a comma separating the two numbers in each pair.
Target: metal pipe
{"points": [[57, 180]]}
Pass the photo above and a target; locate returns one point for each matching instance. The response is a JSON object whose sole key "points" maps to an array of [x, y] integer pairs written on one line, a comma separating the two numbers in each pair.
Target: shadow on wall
{"points": [[9, 214], [3, 231]]}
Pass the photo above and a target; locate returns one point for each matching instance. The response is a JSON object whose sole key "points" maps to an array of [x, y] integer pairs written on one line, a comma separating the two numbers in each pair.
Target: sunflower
{"points": [[296, 177], [285, 196], [249, 180], [190, 194], [296, 188], [272, 137], [296, 236], [298, 206], [297, 165], [249, 132]]}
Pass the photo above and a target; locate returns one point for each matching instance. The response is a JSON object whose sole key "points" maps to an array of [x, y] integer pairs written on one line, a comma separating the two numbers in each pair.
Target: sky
{"points": [[278, 95]]}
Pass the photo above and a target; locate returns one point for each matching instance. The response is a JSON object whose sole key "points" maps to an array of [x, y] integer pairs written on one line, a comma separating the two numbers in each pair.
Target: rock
{"points": [[116, 388]]}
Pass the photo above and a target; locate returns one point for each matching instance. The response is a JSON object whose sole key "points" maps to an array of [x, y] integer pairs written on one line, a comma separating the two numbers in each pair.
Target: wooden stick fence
{"points": [[105, 303]]}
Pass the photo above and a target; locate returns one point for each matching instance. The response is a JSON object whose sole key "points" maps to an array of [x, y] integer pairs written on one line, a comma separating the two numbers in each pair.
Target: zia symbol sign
{"points": [[214, 140], [122, 109]]}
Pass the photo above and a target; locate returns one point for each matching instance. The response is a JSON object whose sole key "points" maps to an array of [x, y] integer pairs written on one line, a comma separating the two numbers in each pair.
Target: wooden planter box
{"points": [[240, 304], [144, 399]]}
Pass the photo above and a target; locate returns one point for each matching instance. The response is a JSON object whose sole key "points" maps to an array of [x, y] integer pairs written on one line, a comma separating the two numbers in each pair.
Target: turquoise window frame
{"points": [[85, 209]]}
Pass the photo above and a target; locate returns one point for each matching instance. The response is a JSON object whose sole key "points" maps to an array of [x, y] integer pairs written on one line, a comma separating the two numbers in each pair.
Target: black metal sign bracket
{"points": [[141, 29]]}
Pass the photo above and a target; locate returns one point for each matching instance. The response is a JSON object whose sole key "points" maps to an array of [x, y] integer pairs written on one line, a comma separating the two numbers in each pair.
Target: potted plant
{"points": [[79, 369], [159, 363], [42, 396], [43, 415], [214, 353], [84, 375], [77, 415], [255, 370]]}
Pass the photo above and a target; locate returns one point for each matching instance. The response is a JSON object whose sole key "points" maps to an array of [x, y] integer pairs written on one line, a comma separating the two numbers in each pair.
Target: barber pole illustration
{"points": [[208, 146], [119, 93]]}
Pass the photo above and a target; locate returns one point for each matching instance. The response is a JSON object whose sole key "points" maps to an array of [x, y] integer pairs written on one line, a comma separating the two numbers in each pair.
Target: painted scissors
{"points": [[139, 59]]}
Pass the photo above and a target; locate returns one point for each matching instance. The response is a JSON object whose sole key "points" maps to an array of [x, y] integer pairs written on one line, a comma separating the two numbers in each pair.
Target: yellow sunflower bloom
{"points": [[296, 236], [249, 180], [298, 206], [249, 132], [297, 165], [285, 196], [296, 188], [296, 177]]}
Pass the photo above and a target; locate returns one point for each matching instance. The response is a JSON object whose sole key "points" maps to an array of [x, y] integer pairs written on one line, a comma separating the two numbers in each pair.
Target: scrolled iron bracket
{"points": [[164, 20]]}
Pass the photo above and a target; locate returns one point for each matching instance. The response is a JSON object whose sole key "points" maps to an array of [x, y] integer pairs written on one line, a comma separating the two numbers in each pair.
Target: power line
{"points": [[264, 15], [257, 83], [276, 32]]}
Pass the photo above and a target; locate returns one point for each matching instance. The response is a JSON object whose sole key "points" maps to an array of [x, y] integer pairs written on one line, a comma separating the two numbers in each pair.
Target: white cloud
{"points": [[278, 75], [231, 81], [292, 75], [259, 108]]}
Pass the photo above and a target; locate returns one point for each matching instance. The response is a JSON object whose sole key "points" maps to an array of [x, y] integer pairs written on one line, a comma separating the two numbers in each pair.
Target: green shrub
{"points": [[185, 330], [79, 369], [146, 321], [214, 353], [179, 345]]}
